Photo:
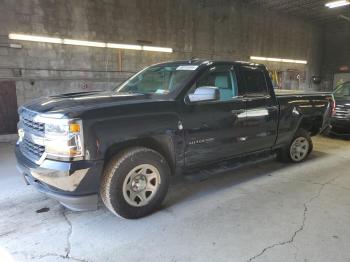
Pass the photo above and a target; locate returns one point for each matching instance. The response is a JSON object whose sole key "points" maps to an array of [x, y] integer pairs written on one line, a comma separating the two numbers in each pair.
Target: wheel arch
{"points": [[312, 124], [162, 144]]}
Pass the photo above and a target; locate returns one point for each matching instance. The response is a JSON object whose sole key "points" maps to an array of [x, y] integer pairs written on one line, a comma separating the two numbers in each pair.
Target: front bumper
{"points": [[74, 184], [340, 126]]}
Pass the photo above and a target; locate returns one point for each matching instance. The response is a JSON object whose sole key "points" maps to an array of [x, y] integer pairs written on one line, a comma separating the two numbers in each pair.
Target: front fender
{"points": [[159, 131]]}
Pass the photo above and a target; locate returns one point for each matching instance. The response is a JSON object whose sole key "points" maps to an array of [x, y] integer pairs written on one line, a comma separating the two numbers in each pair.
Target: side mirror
{"points": [[204, 93]]}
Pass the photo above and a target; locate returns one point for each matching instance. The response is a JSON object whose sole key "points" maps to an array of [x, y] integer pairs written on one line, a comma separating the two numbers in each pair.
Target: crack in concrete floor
{"points": [[70, 231], [61, 256], [301, 227], [68, 245]]}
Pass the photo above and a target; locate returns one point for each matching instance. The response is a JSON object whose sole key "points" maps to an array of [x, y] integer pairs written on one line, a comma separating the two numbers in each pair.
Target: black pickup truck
{"points": [[165, 120]]}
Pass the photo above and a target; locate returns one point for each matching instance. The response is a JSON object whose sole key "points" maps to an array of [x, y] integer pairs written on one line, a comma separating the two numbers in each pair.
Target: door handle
{"points": [[238, 111], [272, 108]]}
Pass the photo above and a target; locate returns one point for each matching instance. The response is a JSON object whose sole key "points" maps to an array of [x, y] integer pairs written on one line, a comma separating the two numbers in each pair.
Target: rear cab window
{"points": [[255, 81]]}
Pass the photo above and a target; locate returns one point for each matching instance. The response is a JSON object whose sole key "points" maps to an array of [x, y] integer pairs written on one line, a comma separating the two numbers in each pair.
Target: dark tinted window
{"points": [[343, 90], [255, 81]]}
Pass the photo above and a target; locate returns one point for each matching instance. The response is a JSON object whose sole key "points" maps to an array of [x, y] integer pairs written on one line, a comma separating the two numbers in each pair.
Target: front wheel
{"points": [[135, 182], [298, 149]]}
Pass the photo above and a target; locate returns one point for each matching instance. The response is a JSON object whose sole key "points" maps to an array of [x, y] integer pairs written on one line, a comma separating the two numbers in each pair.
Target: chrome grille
{"points": [[29, 124], [31, 150], [342, 112], [34, 132]]}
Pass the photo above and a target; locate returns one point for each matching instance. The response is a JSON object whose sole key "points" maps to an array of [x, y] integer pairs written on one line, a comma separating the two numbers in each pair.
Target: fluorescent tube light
{"points": [[258, 58], [335, 4], [157, 49], [83, 43], [35, 38], [274, 59], [124, 46], [278, 60], [300, 62], [288, 60], [66, 41]]}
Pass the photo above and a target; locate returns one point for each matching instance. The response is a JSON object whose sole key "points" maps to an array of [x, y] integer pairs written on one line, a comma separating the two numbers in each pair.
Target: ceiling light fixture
{"points": [[83, 43], [35, 38], [124, 46], [270, 59], [55, 40], [157, 49], [339, 3]]}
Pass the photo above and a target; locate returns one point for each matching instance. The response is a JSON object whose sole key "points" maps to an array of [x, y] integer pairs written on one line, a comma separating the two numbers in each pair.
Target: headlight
{"points": [[64, 138]]}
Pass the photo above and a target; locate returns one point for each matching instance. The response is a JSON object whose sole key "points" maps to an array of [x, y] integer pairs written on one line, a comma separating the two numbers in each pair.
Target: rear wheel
{"points": [[135, 182], [298, 149]]}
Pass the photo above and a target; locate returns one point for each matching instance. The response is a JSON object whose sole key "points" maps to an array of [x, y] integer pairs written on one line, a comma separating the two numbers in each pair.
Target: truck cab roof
{"points": [[202, 62]]}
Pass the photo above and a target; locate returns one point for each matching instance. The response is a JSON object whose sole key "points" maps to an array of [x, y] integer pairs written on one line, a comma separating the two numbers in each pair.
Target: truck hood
{"points": [[73, 102]]}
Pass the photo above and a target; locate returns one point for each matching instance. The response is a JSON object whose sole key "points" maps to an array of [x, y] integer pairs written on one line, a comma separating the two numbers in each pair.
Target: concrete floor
{"points": [[265, 212]]}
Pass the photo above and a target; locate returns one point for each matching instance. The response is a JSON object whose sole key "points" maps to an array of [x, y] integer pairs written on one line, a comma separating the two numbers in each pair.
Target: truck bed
{"points": [[285, 92]]}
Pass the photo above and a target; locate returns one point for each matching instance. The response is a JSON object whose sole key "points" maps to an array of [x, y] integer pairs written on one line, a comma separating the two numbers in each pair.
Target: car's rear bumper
{"points": [[74, 184]]}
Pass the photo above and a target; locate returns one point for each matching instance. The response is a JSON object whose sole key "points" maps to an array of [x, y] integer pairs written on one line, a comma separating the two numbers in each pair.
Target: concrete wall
{"points": [[212, 29], [336, 52]]}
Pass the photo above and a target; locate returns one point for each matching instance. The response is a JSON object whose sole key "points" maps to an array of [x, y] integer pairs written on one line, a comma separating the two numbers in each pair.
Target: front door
{"points": [[213, 130]]}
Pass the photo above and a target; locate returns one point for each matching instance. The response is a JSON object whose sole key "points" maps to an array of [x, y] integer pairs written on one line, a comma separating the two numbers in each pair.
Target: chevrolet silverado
{"points": [[169, 118]]}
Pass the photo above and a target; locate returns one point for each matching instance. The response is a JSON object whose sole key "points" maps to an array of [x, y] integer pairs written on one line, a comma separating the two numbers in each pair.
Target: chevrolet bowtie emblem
{"points": [[20, 134]]}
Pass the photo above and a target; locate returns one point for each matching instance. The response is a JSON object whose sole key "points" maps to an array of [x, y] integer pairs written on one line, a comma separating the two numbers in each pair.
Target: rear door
{"points": [[261, 109]]}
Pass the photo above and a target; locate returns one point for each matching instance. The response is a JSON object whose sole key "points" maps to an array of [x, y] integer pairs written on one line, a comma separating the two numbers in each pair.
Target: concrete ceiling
{"points": [[313, 10]]}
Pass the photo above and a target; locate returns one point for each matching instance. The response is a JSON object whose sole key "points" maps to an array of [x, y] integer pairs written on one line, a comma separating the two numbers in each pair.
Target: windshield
{"points": [[160, 79], [343, 90]]}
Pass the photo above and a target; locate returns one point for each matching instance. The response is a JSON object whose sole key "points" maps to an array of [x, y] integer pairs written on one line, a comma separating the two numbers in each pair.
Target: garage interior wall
{"points": [[336, 53], [225, 29]]}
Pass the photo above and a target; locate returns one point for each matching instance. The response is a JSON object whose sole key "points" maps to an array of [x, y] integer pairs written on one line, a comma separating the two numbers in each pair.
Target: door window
{"points": [[255, 80], [222, 77]]}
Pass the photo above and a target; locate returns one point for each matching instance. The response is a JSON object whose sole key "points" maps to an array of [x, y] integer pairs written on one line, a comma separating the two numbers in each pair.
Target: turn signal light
{"points": [[333, 109], [333, 106], [74, 128]]}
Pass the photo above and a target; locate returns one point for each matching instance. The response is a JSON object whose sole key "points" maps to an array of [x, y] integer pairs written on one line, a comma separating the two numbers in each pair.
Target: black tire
{"points": [[284, 154], [116, 172]]}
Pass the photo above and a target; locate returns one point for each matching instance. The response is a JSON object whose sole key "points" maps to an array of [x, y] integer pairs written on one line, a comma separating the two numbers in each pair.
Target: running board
{"points": [[201, 174]]}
